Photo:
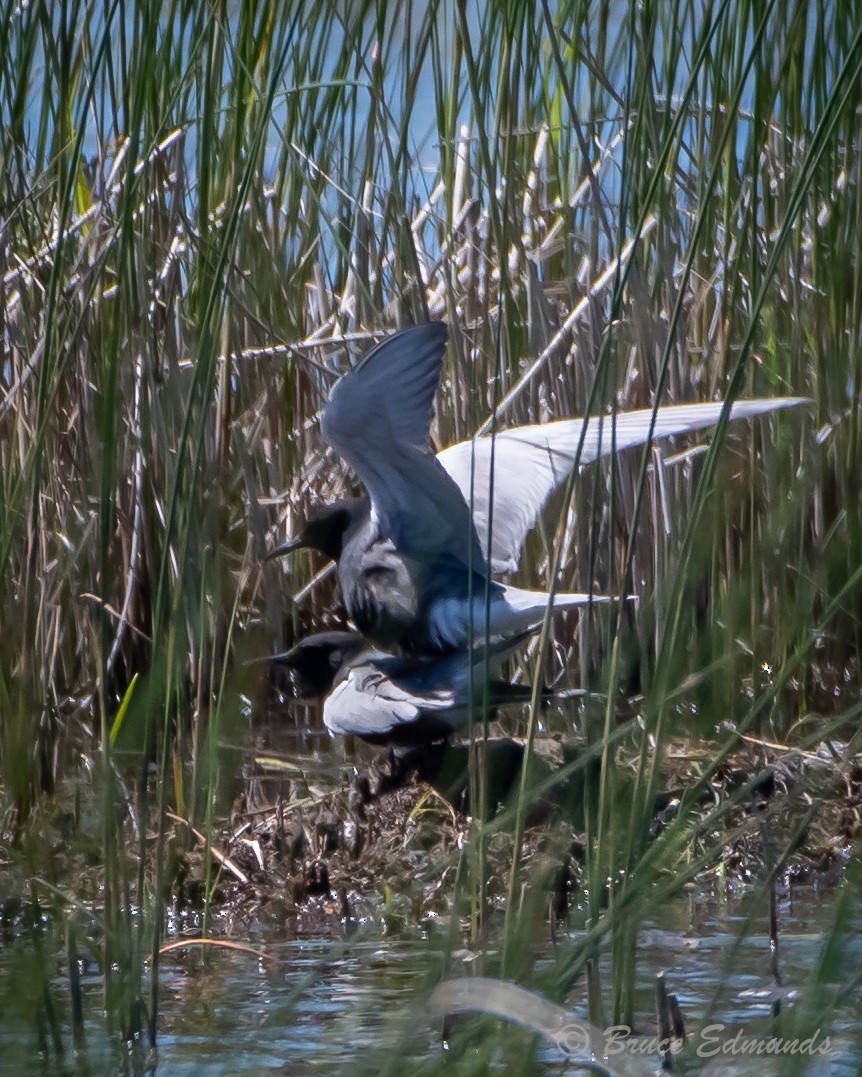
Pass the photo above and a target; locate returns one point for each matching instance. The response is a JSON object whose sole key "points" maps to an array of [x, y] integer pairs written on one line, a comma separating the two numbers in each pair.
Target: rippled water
{"points": [[347, 1003]]}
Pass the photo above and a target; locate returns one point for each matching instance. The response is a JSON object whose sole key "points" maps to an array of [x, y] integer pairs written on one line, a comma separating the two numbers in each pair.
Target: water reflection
{"points": [[322, 1006]]}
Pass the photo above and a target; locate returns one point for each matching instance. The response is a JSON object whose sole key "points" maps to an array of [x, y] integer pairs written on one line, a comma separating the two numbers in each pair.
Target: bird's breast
{"points": [[381, 589]]}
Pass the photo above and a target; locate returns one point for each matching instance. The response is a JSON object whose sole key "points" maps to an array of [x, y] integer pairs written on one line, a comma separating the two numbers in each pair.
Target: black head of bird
{"points": [[327, 528], [317, 659]]}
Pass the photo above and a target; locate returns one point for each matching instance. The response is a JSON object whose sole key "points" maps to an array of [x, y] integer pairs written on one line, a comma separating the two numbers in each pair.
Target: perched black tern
{"points": [[400, 701], [406, 552]]}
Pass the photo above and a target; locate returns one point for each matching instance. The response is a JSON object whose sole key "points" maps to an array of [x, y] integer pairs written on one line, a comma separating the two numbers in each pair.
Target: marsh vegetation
{"points": [[207, 211]]}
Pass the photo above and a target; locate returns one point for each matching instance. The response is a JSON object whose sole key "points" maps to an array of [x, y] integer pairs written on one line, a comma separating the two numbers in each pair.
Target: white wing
{"points": [[378, 418], [367, 702], [380, 694], [531, 462]]}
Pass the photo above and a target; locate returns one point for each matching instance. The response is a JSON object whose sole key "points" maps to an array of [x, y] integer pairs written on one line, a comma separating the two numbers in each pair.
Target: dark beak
{"points": [[285, 658], [285, 547]]}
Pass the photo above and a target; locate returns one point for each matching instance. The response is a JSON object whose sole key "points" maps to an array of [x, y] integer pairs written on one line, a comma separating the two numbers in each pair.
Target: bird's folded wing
{"points": [[529, 463], [367, 702], [378, 419]]}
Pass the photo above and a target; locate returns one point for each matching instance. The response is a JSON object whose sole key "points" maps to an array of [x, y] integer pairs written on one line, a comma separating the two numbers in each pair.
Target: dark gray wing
{"points": [[530, 462], [378, 418]]}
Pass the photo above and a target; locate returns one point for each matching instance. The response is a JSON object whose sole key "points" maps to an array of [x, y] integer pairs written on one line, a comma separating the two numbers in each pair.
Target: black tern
{"points": [[400, 701], [405, 553], [411, 569]]}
